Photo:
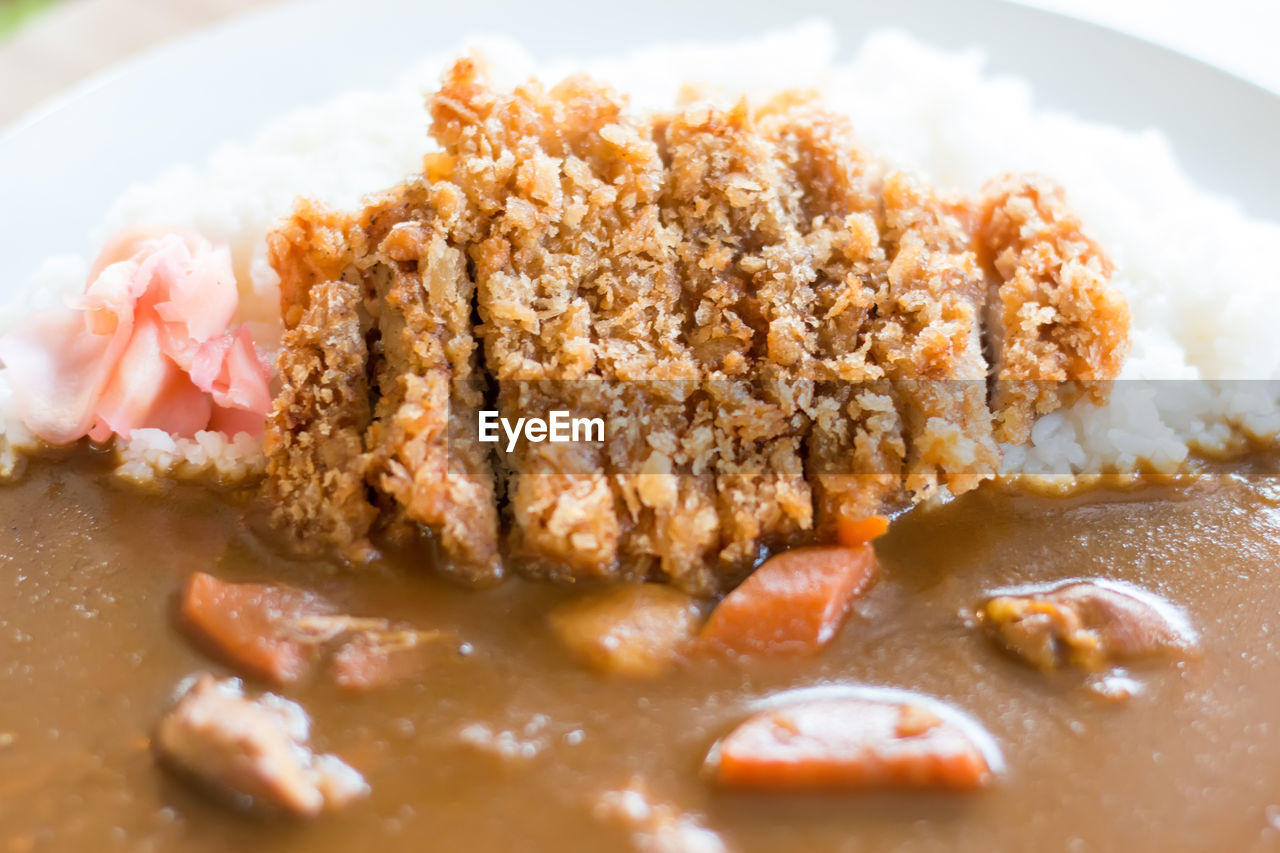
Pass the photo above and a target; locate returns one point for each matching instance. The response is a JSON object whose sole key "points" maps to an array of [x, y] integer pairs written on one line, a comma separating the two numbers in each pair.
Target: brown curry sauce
{"points": [[87, 616]]}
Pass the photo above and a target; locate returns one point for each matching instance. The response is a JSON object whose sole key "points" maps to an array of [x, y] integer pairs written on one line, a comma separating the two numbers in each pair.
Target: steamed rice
{"points": [[1194, 268]]}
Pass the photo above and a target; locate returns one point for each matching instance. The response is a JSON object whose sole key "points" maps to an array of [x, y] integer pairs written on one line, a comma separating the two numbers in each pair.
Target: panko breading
{"points": [[315, 433], [744, 272], [310, 247], [1053, 316], [928, 337], [417, 448], [779, 330], [422, 445], [538, 219]]}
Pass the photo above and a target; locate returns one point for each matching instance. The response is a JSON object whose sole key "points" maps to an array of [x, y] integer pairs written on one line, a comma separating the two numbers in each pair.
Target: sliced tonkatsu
{"points": [[781, 334]]}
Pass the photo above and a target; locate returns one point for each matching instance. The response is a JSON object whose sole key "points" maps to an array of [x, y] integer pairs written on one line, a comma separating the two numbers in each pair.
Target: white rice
{"points": [[1196, 270]]}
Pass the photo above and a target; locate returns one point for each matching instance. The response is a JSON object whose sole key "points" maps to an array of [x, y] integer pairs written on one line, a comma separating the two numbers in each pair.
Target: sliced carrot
{"points": [[251, 626], [793, 604], [852, 532], [850, 743]]}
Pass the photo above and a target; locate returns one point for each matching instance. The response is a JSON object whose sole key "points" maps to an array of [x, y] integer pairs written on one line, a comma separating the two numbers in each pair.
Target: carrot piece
{"points": [[793, 604], [851, 532], [251, 626], [851, 743]]}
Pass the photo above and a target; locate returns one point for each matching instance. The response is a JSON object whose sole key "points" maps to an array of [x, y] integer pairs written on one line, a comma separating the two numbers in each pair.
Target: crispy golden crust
{"points": [[779, 331], [576, 284], [1053, 316], [422, 443], [530, 165], [928, 337], [855, 448], [310, 247], [897, 296], [423, 462], [747, 285], [314, 439]]}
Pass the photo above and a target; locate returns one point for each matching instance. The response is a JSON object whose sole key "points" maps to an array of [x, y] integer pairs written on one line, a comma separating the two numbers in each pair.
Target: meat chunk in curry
{"points": [[253, 752], [1086, 624]]}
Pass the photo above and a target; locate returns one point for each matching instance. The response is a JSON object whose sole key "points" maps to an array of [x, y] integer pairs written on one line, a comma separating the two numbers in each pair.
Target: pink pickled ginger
{"points": [[149, 344]]}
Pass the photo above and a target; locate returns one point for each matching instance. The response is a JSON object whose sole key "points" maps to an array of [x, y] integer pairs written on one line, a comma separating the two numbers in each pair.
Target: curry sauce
{"points": [[507, 742]]}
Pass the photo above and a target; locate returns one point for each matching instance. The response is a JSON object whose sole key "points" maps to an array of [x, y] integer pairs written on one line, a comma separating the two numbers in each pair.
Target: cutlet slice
{"points": [[928, 338], [314, 436], [660, 439], [537, 169], [747, 295], [1053, 315], [422, 444], [855, 448], [409, 287], [901, 408]]}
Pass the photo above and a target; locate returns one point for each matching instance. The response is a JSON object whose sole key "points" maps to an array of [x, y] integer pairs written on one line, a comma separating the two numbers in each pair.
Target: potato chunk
{"points": [[635, 631]]}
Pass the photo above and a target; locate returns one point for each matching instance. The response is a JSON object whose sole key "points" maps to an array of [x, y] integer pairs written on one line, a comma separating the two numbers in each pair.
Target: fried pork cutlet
{"points": [[928, 337], [1053, 316], [896, 341], [315, 433], [523, 162], [422, 445], [579, 297], [417, 448], [780, 332], [855, 446], [747, 279]]}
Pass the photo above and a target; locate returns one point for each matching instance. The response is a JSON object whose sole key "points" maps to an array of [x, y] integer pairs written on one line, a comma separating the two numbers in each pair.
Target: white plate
{"points": [[61, 166]]}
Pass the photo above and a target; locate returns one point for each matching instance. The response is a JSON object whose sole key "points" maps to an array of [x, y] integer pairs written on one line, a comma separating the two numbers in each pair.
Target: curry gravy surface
{"points": [[90, 568]]}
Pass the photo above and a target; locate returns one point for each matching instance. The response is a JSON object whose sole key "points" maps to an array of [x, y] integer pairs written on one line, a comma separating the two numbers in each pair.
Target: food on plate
{"points": [[410, 291], [655, 826], [252, 626], [374, 657], [280, 634], [852, 532], [315, 488], [748, 301], [150, 345], [537, 432]]}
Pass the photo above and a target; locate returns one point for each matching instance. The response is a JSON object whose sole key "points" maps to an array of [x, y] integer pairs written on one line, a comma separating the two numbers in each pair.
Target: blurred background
{"points": [[49, 45]]}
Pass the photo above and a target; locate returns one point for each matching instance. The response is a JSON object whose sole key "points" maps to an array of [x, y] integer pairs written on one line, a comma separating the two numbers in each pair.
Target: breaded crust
{"points": [[525, 161], [1053, 315], [779, 330], [747, 294], [855, 448], [422, 443], [928, 337], [309, 247], [316, 466]]}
